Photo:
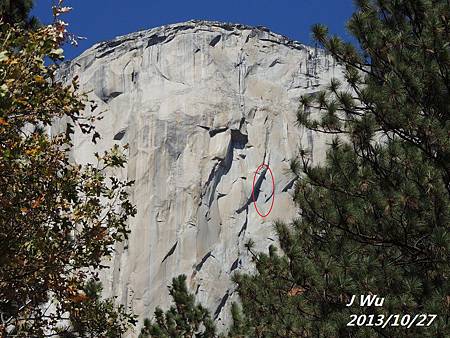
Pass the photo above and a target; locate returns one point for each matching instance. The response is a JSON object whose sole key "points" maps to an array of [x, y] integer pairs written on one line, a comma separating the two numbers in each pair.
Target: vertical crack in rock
{"points": [[244, 226], [222, 303], [211, 177], [134, 76], [256, 191], [237, 141], [243, 125], [171, 251], [242, 71]]}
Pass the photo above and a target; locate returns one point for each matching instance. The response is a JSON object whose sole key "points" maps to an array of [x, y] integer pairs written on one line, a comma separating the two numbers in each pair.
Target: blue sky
{"points": [[102, 20]]}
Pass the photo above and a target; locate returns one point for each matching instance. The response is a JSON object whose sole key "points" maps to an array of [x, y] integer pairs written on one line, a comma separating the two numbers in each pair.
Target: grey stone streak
{"points": [[201, 105]]}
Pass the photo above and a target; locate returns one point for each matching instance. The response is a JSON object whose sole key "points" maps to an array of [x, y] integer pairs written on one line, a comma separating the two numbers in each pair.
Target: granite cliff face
{"points": [[202, 105]]}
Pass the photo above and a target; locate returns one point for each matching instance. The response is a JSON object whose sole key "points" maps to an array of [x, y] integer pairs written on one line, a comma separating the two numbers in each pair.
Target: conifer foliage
{"points": [[374, 217], [17, 12], [184, 319]]}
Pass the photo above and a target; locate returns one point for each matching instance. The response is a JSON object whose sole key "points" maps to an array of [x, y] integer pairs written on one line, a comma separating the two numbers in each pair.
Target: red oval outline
{"points": [[273, 190]]}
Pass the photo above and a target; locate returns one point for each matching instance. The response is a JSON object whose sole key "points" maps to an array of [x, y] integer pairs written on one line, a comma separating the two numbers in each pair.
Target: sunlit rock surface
{"points": [[202, 105]]}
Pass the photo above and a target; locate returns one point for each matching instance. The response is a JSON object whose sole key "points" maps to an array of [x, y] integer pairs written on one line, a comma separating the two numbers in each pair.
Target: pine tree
{"points": [[185, 319], [374, 218], [17, 12]]}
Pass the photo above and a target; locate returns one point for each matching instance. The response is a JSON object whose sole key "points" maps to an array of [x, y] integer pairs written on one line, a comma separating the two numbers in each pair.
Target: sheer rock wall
{"points": [[202, 105]]}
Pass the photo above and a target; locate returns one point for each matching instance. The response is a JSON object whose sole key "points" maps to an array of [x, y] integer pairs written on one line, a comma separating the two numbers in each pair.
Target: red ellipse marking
{"points": [[273, 190]]}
